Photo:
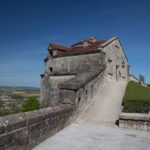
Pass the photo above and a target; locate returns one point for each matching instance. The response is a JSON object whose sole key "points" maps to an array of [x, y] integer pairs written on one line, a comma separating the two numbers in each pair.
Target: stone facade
{"points": [[115, 59], [70, 71]]}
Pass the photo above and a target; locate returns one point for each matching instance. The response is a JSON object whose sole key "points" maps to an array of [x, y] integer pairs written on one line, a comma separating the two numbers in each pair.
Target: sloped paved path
{"points": [[95, 137], [106, 105]]}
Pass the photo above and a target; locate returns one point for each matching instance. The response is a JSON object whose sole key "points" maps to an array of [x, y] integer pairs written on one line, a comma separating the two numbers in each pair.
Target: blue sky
{"points": [[27, 26]]}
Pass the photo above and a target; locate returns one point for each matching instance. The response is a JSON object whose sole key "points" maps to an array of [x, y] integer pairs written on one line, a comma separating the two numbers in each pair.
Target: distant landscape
{"points": [[25, 89], [12, 98]]}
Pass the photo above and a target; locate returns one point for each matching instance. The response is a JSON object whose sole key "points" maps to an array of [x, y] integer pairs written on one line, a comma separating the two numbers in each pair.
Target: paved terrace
{"points": [[95, 128], [94, 137]]}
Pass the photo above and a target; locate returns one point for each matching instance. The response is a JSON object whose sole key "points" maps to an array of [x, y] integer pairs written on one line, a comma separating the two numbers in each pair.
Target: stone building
{"points": [[134, 79], [73, 74]]}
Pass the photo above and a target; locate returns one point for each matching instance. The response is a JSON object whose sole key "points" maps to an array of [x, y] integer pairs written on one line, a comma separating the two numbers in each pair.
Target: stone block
{"points": [[140, 125], [128, 124], [45, 127], [33, 116], [13, 122], [50, 111], [148, 126], [21, 137], [67, 96], [10, 147], [5, 139], [121, 123], [35, 131]]}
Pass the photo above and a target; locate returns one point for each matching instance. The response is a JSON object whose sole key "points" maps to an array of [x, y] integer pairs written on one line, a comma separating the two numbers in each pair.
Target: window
{"points": [[79, 100], [123, 64], [110, 74], [117, 66], [86, 92], [51, 53], [51, 69], [119, 73], [117, 46], [109, 61]]}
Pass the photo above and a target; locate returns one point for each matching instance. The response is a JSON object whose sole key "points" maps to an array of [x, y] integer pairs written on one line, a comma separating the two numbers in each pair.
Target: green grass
{"points": [[137, 98]]}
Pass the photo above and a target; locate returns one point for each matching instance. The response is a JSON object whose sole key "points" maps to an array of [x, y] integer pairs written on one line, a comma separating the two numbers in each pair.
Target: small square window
{"points": [[109, 61]]}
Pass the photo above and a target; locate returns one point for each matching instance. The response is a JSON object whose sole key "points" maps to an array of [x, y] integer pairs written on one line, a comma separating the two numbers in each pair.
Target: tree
{"points": [[1, 104], [31, 104]]}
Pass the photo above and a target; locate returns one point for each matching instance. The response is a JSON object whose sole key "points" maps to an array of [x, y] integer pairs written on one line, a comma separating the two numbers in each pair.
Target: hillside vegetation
{"points": [[137, 98]]}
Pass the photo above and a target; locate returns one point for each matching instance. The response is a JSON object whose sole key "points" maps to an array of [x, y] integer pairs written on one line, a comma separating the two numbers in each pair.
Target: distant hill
{"points": [[22, 89]]}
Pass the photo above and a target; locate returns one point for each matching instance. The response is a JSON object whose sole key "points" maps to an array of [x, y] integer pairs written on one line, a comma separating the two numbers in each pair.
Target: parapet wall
{"points": [[25, 130], [135, 121], [80, 90]]}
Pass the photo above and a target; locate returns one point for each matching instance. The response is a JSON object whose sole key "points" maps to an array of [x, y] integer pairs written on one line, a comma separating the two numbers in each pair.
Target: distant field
{"points": [[18, 92], [137, 98], [30, 94], [27, 94], [21, 91]]}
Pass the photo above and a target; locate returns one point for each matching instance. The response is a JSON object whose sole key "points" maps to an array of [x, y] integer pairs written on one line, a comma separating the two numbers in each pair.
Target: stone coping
{"points": [[134, 117], [19, 120], [81, 79]]}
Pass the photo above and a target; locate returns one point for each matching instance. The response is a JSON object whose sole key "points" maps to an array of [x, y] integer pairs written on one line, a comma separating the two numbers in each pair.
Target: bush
{"points": [[136, 98], [1, 104], [31, 104], [136, 106]]}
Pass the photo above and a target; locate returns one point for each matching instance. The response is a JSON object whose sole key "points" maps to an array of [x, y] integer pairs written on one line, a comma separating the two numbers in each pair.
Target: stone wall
{"points": [[49, 89], [74, 64], [62, 69], [25, 130], [81, 89], [115, 60], [135, 121]]}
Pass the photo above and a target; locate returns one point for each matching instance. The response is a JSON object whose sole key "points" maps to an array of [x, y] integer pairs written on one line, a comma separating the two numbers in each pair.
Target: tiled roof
{"points": [[59, 47], [66, 51]]}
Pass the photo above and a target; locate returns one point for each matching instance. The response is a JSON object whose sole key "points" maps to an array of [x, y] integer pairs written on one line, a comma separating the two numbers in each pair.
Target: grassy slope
{"points": [[137, 98], [136, 91]]}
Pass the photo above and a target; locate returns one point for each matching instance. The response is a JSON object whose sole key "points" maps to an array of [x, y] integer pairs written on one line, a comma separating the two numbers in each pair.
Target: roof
{"points": [[58, 47], [81, 47]]}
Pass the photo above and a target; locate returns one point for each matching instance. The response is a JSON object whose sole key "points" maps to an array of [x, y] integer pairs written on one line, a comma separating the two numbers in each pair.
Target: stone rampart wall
{"points": [[135, 121], [80, 90], [25, 130]]}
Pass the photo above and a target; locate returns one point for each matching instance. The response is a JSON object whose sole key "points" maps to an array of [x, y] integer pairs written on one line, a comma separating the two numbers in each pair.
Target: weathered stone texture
{"points": [[12, 122], [135, 121], [24, 130], [74, 64], [116, 61]]}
